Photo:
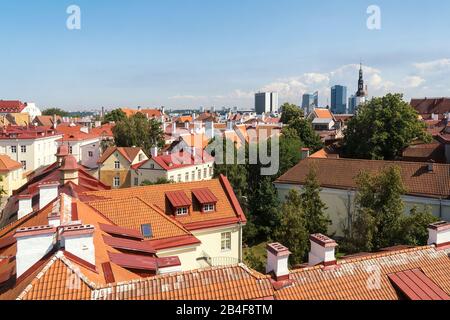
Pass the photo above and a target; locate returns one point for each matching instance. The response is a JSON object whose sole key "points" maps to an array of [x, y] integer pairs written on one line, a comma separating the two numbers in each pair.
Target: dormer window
{"points": [[211, 207], [182, 211]]}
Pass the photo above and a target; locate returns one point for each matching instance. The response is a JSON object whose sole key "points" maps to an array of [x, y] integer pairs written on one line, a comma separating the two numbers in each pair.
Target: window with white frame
{"points": [[179, 177], [116, 182], [193, 175], [90, 154], [117, 164], [136, 181], [199, 174], [225, 241], [186, 177], [70, 149], [210, 207], [211, 171], [182, 211], [171, 179], [13, 149], [23, 149], [24, 165]]}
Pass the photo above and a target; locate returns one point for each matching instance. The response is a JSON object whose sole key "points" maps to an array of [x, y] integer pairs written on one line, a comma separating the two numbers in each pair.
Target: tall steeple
{"points": [[361, 90]]}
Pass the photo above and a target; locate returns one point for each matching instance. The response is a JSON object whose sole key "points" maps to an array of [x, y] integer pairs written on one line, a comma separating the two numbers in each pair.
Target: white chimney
{"points": [[32, 245], [48, 192], [193, 151], [322, 250], [186, 125], [277, 261], [25, 206], [174, 127], [305, 153], [439, 234], [79, 241], [434, 117], [154, 152]]}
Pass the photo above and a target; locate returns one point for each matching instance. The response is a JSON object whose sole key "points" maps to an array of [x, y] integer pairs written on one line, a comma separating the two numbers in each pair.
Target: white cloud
{"points": [[413, 81], [433, 66]]}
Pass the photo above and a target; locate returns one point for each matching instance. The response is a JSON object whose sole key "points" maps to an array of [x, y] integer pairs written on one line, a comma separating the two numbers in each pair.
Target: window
{"points": [[179, 178], [199, 174], [182, 211], [205, 172], [210, 207], [117, 164], [152, 166], [90, 154], [23, 149], [171, 178], [146, 230], [13, 149], [116, 182], [24, 165], [211, 171], [186, 178], [226, 241], [193, 175], [70, 149], [136, 181]]}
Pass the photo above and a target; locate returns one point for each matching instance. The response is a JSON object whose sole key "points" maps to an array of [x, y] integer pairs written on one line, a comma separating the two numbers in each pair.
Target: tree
{"points": [[158, 181], [313, 207], [379, 209], [116, 116], [291, 230], [306, 133], [55, 111], [413, 227], [383, 128], [290, 146], [290, 112], [138, 131]]}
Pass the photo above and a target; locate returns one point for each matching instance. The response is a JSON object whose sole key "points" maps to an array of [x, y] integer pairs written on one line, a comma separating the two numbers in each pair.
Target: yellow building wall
{"points": [[11, 181]]}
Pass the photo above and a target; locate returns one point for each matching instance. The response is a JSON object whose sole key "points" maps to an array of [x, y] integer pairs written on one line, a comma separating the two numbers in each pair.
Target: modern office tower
{"points": [[310, 102], [339, 99], [266, 102]]}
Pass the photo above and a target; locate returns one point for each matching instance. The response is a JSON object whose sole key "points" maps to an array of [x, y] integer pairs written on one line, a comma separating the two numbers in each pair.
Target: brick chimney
{"points": [[48, 191], [277, 261], [79, 241], [322, 250], [305, 153], [25, 205], [439, 234], [32, 245]]}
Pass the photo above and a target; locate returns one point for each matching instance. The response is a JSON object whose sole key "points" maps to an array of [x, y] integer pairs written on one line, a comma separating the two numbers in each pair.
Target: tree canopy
{"points": [[115, 115], [55, 111], [382, 129], [290, 112], [138, 131], [306, 133]]}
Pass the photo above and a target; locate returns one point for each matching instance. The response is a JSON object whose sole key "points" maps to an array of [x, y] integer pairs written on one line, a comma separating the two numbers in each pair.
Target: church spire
{"points": [[361, 91]]}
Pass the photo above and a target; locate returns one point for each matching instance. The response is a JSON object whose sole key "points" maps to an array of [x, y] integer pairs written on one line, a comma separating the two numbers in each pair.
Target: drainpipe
{"points": [[240, 241], [349, 213], [440, 208]]}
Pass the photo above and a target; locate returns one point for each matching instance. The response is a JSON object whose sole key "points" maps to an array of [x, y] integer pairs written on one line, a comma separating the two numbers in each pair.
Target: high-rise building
{"points": [[310, 102], [339, 99], [266, 102]]}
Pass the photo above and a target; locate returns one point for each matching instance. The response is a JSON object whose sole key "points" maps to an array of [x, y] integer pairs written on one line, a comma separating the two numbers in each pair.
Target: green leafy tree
{"points": [[413, 227], [292, 231], [290, 146], [55, 111], [138, 131], [290, 112], [254, 261], [379, 209], [158, 181], [317, 221], [306, 133], [383, 128], [115, 115]]}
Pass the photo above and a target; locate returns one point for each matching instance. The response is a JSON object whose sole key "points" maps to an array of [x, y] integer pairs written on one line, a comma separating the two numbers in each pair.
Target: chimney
{"points": [[277, 261], [25, 206], [33, 244], [69, 170], [55, 124], [439, 234], [186, 124], [230, 125], [305, 153], [322, 250], [154, 152], [48, 191], [174, 127], [193, 151], [79, 241]]}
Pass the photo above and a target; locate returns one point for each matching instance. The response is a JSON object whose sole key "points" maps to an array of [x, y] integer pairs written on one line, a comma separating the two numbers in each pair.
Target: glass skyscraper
{"points": [[310, 101], [339, 99]]}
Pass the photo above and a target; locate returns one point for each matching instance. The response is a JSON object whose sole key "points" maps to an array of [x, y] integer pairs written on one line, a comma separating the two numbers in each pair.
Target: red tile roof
{"points": [[428, 106], [7, 164], [130, 153], [179, 160], [131, 261], [123, 232], [129, 245], [11, 106], [341, 173]]}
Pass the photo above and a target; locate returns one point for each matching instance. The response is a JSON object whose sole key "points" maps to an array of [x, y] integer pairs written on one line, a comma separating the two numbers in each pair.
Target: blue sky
{"points": [[217, 52]]}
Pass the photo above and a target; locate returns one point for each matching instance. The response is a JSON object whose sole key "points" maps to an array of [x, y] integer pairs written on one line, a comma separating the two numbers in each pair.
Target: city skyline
{"points": [[191, 55]]}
